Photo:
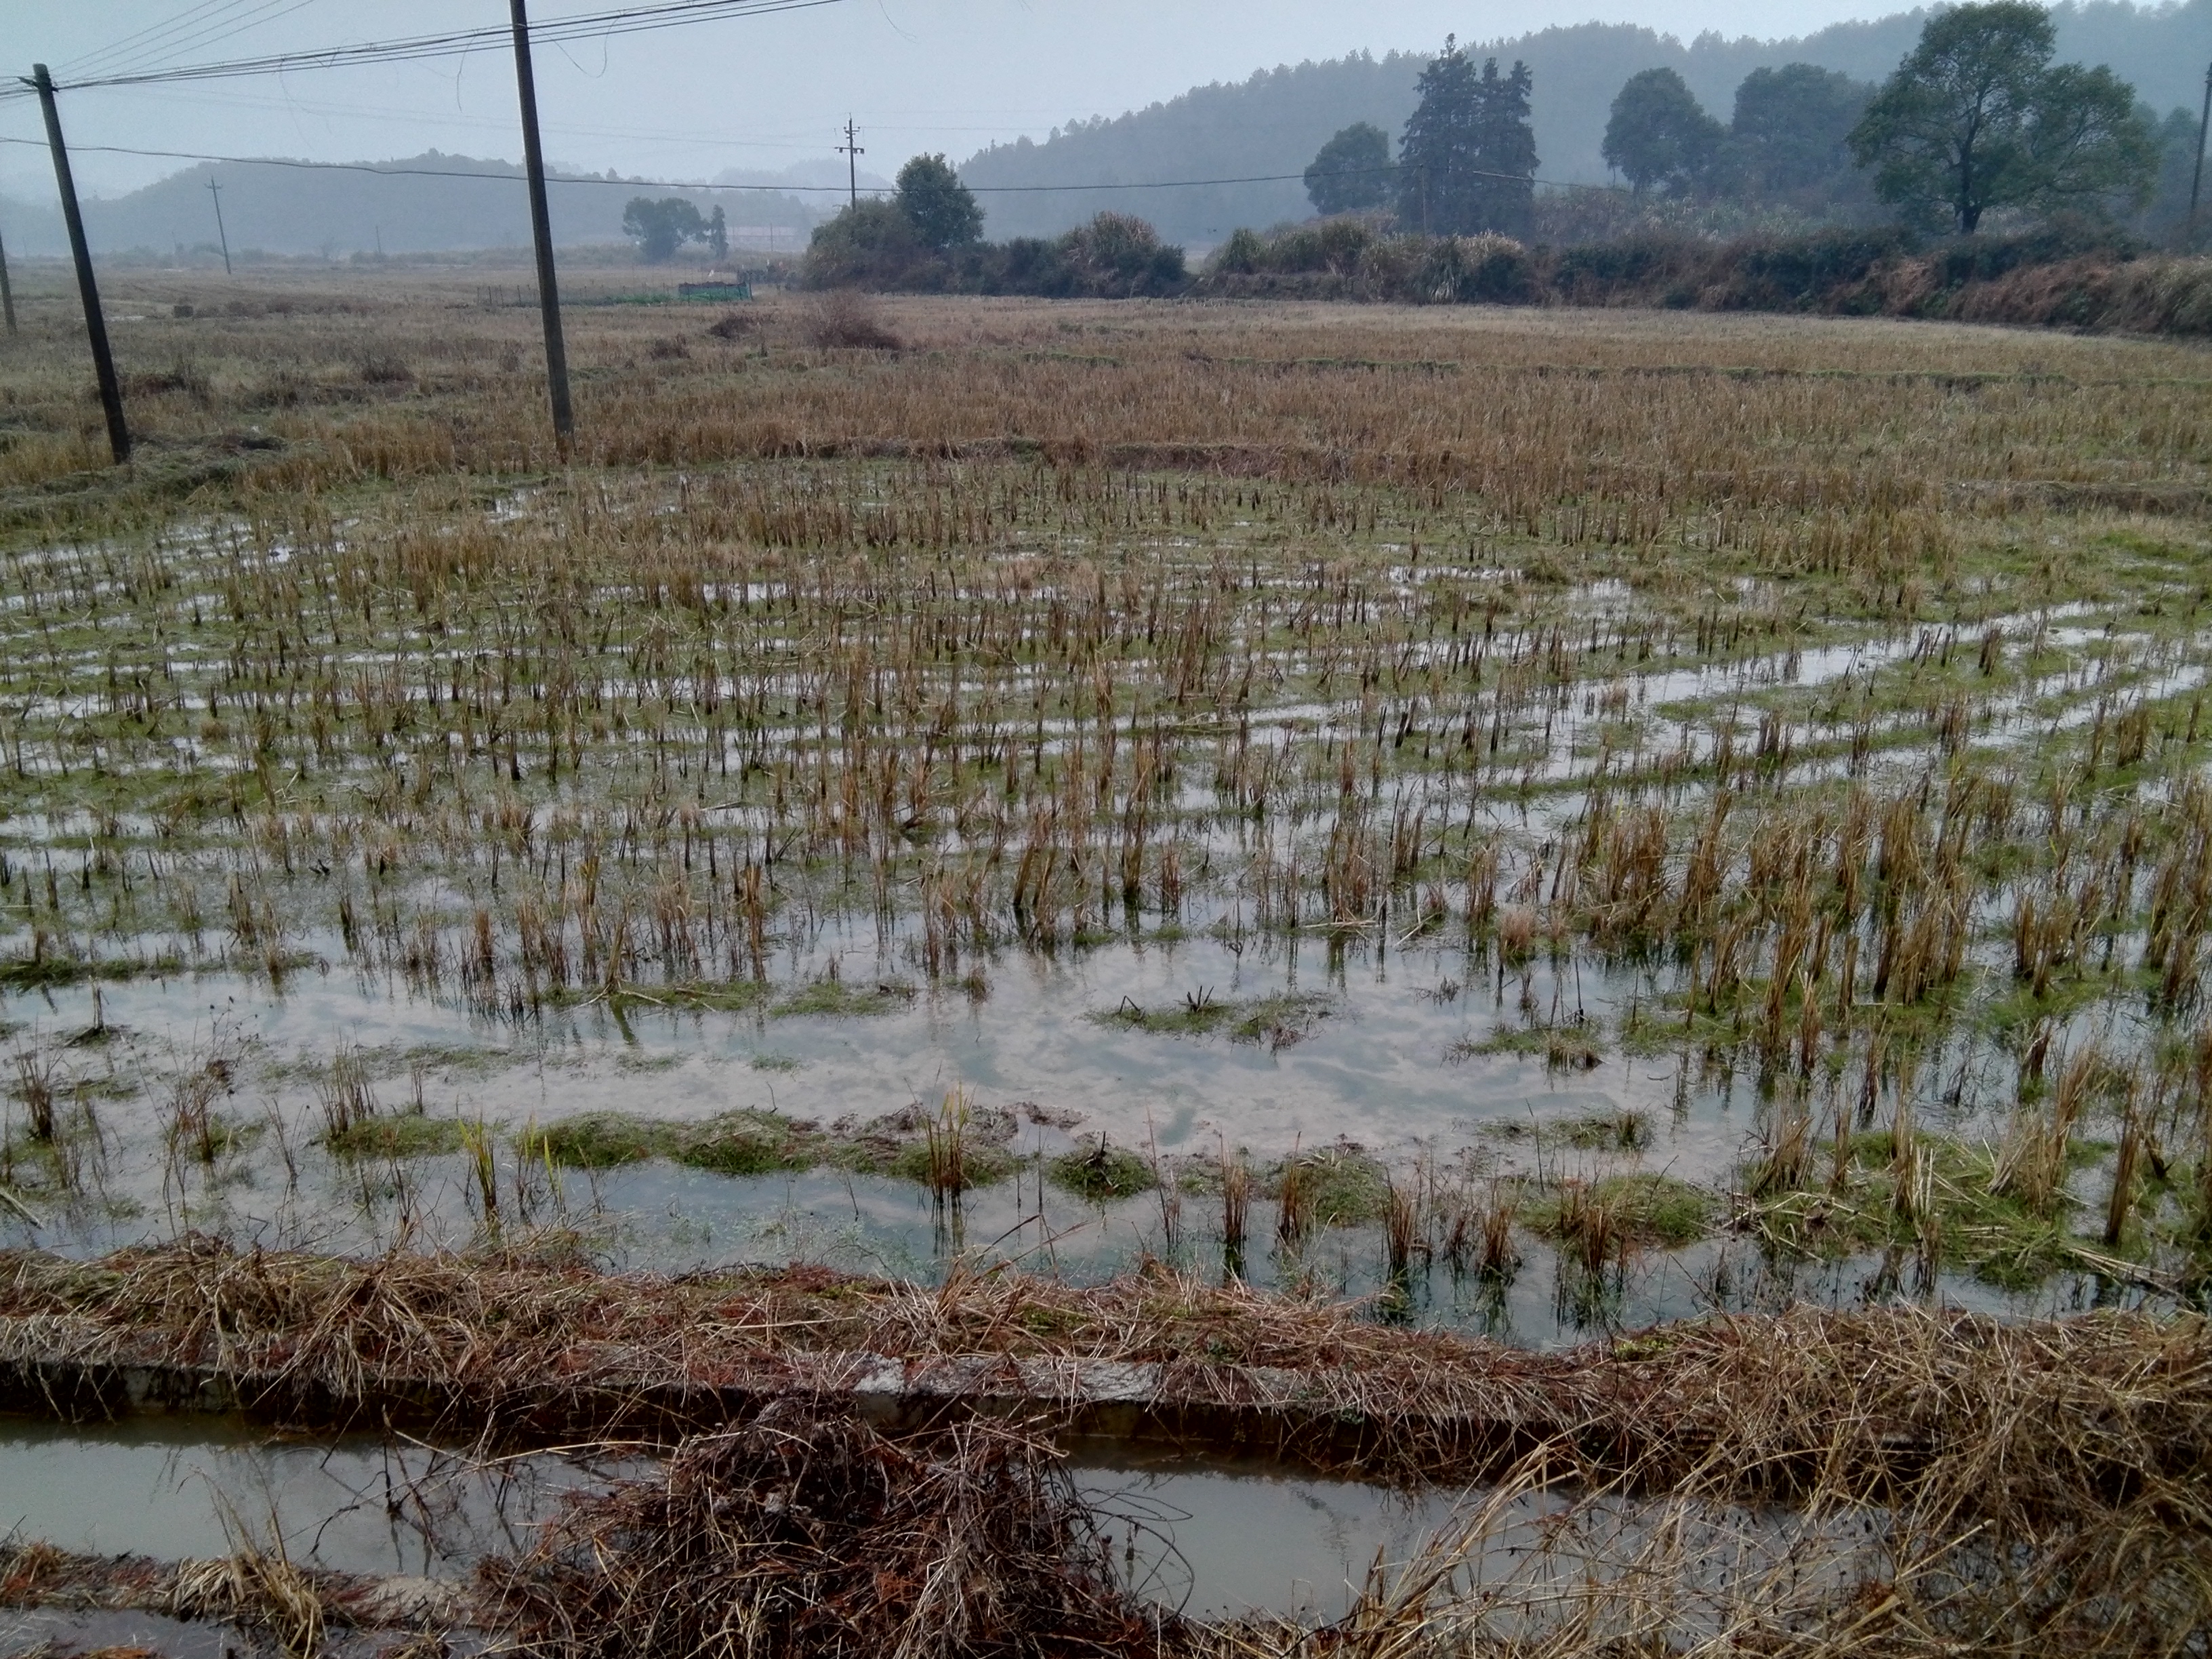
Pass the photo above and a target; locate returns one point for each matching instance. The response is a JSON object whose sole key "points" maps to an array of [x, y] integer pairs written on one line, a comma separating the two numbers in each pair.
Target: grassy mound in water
{"points": [[1102, 1171], [1280, 1021], [966, 1150]]}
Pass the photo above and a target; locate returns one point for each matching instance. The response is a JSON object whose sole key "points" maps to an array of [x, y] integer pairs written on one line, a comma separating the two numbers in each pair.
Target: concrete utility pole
{"points": [[96, 325], [7, 293], [851, 150], [2196, 178], [215, 190], [541, 230]]}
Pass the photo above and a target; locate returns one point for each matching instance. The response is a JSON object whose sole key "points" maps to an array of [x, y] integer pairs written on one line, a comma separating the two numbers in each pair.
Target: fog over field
{"points": [[1026, 97]]}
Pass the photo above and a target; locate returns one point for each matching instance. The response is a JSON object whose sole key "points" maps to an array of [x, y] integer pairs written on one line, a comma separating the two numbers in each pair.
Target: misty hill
{"points": [[424, 203], [1274, 123]]}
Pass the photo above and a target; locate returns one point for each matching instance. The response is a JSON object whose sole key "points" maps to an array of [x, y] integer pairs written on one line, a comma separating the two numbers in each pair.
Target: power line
{"points": [[778, 189], [192, 18], [203, 25], [629, 20]]}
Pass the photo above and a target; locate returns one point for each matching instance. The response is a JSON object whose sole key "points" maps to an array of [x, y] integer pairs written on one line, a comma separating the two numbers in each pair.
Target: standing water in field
{"points": [[1360, 915]]}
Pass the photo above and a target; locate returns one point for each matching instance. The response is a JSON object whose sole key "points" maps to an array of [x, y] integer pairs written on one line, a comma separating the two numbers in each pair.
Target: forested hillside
{"points": [[1270, 124], [1274, 123], [402, 207]]}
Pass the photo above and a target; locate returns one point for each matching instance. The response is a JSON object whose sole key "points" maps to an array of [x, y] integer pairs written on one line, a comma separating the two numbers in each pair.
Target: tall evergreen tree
{"points": [[1467, 159], [1506, 188]]}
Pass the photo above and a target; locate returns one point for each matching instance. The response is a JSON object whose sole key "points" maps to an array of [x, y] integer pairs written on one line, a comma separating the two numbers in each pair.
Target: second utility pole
{"points": [[215, 190], [7, 294], [851, 150], [2196, 178], [541, 231], [95, 325]]}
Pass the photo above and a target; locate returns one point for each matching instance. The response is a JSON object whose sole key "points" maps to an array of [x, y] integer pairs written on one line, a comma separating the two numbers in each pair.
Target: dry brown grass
{"points": [[2122, 1392], [2026, 1485], [1531, 409], [801, 1534]]}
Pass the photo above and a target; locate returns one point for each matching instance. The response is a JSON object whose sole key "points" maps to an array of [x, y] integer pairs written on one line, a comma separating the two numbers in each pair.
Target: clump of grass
{"points": [[1340, 1186], [1569, 1046], [846, 319], [1294, 1217], [1957, 1208], [2038, 1150], [1603, 1216], [349, 1103], [480, 1146], [1590, 1227], [1402, 1231], [947, 1155], [603, 1140], [1235, 1204], [398, 1136], [1498, 1256], [749, 1143], [1102, 1172], [1280, 1021], [1621, 1130], [832, 997], [1480, 1235], [34, 1087], [1788, 1157]]}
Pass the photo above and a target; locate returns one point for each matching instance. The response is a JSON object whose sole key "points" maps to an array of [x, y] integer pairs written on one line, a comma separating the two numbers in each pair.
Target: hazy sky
{"points": [[765, 92]]}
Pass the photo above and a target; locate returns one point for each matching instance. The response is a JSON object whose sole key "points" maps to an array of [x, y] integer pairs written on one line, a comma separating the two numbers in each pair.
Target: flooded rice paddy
{"points": [[1306, 883], [1541, 847]]}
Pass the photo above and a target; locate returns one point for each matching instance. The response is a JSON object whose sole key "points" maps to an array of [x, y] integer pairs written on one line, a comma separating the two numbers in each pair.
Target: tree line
{"points": [[1977, 119], [929, 236]]}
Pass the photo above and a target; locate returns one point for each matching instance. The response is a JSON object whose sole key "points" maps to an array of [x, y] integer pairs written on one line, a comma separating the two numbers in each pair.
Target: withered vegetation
{"points": [[1940, 1474]]}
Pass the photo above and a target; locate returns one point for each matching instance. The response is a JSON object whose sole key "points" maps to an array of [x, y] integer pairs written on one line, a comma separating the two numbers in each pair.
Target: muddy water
{"points": [[1377, 1066], [1216, 1541], [1385, 1067], [1229, 1542], [147, 1486]]}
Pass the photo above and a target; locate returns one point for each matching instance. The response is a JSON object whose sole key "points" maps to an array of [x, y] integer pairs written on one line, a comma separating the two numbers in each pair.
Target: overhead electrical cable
{"points": [[214, 35], [187, 23], [628, 19], [150, 48], [780, 190]]}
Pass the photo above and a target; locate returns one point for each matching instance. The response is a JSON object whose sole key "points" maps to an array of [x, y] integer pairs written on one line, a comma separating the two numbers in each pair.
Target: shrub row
{"points": [[2058, 276], [1114, 256]]}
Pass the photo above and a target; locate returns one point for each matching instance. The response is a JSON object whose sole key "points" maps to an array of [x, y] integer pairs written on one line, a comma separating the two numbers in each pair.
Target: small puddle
{"points": [[1225, 1541], [1221, 1542]]}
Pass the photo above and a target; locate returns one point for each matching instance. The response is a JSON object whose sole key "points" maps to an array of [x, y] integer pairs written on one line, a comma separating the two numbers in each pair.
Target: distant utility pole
{"points": [[851, 150], [541, 230], [96, 325], [215, 190], [7, 293], [2196, 178]]}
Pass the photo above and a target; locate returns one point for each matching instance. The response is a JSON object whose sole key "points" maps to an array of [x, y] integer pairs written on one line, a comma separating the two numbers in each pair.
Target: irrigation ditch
{"points": [[1972, 1469]]}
